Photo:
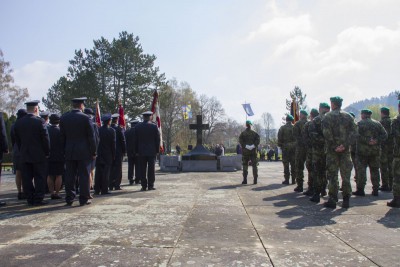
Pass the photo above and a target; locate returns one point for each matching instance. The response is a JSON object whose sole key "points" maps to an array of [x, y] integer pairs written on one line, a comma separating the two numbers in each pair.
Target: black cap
{"points": [[32, 103], [88, 111], [44, 114], [54, 118], [79, 100], [106, 117], [21, 112]]}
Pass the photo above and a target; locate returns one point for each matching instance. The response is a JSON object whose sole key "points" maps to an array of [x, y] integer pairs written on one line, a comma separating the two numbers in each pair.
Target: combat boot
{"points": [[346, 202], [309, 192], [298, 188], [286, 181], [385, 188], [395, 203], [359, 192], [375, 192], [315, 198], [244, 179], [331, 203], [323, 193], [255, 180]]}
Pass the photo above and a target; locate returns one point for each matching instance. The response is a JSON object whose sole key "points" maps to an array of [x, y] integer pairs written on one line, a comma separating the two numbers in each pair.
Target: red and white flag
{"points": [[121, 119], [98, 115], [155, 108]]}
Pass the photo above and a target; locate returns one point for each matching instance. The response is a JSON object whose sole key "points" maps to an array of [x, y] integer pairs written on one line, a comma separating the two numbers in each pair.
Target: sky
{"points": [[238, 51]]}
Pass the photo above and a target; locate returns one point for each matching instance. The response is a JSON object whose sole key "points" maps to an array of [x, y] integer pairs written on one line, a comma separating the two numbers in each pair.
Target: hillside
{"points": [[388, 100]]}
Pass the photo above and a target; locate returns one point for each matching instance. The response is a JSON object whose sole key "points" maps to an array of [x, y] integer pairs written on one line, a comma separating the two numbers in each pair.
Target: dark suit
{"points": [[116, 169], [147, 145], [105, 158], [56, 159], [3, 140], [133, 166], [33, 143], [79, 147]]}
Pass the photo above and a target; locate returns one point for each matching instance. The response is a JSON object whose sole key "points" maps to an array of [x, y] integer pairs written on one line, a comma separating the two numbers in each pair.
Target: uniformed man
{"points": [[133, 166], [45, 116], [89, 112], [386, 152], [307, 140], [249, 140], [287, 143], [147, 145], [318, 153], [301, 150], [105, 156], [353, 149], [116, 169], [339, 129], [3, 145], [80, 149], [33, 141], [395, 131], [370, 136], [56, 160]]}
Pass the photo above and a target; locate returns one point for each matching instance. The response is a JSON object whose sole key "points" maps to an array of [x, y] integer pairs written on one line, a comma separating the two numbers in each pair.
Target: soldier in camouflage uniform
{"points": [[287, 143], [249, 140], [301, 150], [318, 153], [307, 140], [370, 135], [338, 128], [395, 131], [353, 148], [386, 152]]}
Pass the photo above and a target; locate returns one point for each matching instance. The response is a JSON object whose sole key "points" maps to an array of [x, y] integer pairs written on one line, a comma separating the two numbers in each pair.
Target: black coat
{"points": [[107, 145], [130, 141], [3, 137], [32, 139], [147, 139], [120, 139], [56, 146], [77, 136]]}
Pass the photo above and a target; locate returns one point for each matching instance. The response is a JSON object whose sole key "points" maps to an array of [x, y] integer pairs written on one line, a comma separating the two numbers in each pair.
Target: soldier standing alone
{"points": [[249, 140], [287, 143]]}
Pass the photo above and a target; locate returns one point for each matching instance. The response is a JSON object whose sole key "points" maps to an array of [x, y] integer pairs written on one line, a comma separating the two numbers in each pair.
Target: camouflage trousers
{"points": [[254, 164], [336, 162], [300, 159], [354, 161], [371, 161], [319, 170], [309, 166], [288, 158], [386, 168], [396, 176]]}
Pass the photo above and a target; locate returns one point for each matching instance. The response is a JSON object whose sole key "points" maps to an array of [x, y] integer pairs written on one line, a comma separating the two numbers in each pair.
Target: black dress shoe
{"points": [[131, 182], [21, 196], [119, 188], [40, 203], [69, 203], [85, 203], [143, 189], [55, 196], [106, 193], [2, 204]]}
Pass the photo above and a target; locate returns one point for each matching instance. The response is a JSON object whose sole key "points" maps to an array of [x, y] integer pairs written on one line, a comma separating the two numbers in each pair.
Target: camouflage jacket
{"points": [[298, 131], [387, 146], [249, 137], [370, 129], [315, 133], [395, 130], [306, 134], [338, 128], [286, 138]]}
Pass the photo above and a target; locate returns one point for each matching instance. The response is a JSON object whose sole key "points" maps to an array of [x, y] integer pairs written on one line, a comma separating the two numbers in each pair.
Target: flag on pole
{"points": [[121, 119], [98, 115], [247, 109], [294, 110], [187, 112], [155, 108]]}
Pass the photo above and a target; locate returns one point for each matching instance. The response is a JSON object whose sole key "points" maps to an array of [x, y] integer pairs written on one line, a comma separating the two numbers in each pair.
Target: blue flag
{"points": [[248, 110]]}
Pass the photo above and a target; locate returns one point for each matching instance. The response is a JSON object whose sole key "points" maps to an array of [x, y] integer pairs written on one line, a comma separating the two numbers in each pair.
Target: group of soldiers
{"points": [[331, 142], [73, 150]]}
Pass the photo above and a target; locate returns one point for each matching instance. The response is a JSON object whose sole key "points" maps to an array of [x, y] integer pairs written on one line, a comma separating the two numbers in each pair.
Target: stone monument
{"points": [[199, 159]]}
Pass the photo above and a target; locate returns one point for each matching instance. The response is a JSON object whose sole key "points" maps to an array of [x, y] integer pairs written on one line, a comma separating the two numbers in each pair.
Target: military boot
{"points": [[395, 203], [298, 188], [255, 180], [385, 188], [331, 203], [346, 202], [359, 192], [315, 198], [375, 192], [286, 181], [309, 192], [244, 179]]}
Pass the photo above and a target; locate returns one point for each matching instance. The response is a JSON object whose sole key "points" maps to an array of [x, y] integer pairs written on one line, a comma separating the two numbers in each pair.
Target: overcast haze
{"points": [[254, 51]]}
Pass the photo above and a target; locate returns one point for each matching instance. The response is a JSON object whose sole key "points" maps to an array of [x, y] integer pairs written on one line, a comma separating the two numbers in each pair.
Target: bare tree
{"points": [[16, 98], [213, 113], [268, 122]]}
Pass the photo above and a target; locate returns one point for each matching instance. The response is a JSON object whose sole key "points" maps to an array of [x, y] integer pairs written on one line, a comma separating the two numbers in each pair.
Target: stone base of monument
{"points": [[199, 165], [169, 163], [230, 163]]}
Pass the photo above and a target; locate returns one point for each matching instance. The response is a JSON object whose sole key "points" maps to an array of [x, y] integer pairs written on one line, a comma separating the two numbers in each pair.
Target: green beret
{"points": [[336, 99], [324, 105], [352, 114], [304, 112], [385, 110], [289, 118], [314, 112], [249, 122], [366, 111]]}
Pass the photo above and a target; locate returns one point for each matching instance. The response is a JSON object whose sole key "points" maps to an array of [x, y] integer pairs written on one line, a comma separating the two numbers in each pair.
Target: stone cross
{"points": [[199, 127]]}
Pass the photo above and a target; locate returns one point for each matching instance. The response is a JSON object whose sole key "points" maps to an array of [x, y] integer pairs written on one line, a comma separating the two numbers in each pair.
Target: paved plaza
{"points": [[200, 219]]}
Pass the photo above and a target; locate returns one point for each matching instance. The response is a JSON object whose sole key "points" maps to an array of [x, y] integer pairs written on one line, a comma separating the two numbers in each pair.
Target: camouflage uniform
{"points": [[318, 154], [338, 128], [396, 156], [369, 155], [309, 166], [387, 155], [287, 143], [301, 151], [249, 137]]}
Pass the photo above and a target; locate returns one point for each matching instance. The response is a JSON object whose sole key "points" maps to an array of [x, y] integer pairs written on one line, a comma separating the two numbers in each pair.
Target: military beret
{"points": [[32, 103], [115, 115], [44, 114], [79, 100], [366, 111], [314, 112], [54, 118], [385, 110], [352, 114], [106, 117], [324, 105], [336, 99], [147, 113], [289, 118], [21, 112], [249, 122], [88, 111], [304, 112]]}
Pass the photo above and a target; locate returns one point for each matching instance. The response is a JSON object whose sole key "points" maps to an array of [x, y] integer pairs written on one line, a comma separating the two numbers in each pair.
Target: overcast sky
{"points": [[254, 51]]}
